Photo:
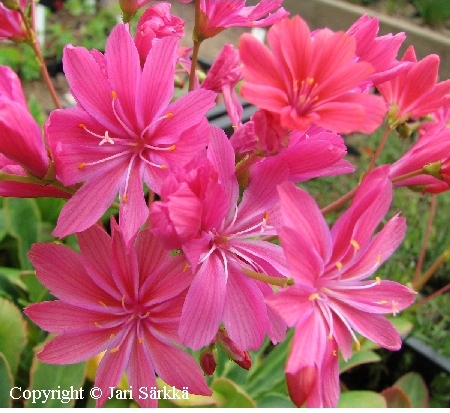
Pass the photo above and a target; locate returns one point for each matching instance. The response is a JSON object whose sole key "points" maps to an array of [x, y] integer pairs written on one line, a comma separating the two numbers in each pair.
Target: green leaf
{"points": [[402, 325], [415, 387], [36, 111], [269, 371], [50, 208], [229, 394], [68, 378], [22, 219], [360, 399], [2, 224], [396, 397], [13, 275], [274, 400], [36, 290], [358, 358], [12, 333], [6, 382]]}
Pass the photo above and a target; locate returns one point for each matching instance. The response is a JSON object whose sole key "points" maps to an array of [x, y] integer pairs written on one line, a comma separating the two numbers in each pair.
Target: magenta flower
{"points": [[309, 80], [124, 130], [432, 150], [217, 15], [155, 23], [331, 297], [199, 214], [415, 93], [21, 136], [380, 52], [11, 23], [223, 77], [307, 155], [125, 300]]}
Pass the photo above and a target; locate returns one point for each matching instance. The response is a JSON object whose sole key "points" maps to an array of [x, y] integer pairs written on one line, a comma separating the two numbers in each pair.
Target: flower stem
{"points": [[442, 259], [339, 202], [407, 176], [269, 279], [426, 237], [33, 42], [431, 296], [383, 141], [197, 43]]}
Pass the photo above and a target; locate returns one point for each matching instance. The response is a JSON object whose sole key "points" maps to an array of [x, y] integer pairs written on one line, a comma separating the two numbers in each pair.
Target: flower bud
{"points": [[239, 356], [208, 359], [11, 4]]}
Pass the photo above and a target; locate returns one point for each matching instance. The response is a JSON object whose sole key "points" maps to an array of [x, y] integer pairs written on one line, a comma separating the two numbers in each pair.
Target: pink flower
{"points": [[198, 213], [217, 15], [155, 23], [11, 23], [21, 140], [331, 297], [432, 150], [123, 300], [415, 93], [223, 77], [380, 52], [308, 80], [124, 130], [307, 155]]}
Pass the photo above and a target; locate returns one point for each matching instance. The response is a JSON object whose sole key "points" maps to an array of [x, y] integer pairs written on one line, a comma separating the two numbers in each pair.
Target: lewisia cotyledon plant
{"points": [[124, 130], [125, 300], [331, 297]]}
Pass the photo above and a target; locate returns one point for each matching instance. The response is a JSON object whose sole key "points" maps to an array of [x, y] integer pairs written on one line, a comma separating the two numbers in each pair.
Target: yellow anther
{"points": [[339, 265], [81, 165], [266, 216], [357, 345], [114, 350], [96, 324], [114, 95], [383, 302], [124, 198], [355, 244], [169, 115], [141, 341], [235, 127], [186, 266], [147, 313], [112, 335], [378, 280], [103, 304], [172, 148], [163, 166], [329, 337], [310, 80], [123, 299], [334, 353], [313, 297], [378, 259], [82, 126]]}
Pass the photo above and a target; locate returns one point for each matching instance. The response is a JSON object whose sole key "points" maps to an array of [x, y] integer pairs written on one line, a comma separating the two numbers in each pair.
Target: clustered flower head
{"points": [[195, 267]]}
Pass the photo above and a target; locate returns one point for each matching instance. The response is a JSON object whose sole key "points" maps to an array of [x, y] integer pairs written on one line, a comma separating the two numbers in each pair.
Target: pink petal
{"points": [[61, 270], [58, 317], [70, 348], [244, 314], [291, 303], [203, 309], [90, 202], [176, 367], [124, 69], [112, 367], [141, 374]]}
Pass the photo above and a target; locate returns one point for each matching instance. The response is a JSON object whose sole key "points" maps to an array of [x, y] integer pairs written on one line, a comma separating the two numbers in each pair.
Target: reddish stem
{"points": [[426, 237]]}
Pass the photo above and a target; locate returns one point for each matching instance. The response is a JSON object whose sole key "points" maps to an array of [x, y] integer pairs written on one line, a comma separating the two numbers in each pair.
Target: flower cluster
{"points": [[190, 262]]}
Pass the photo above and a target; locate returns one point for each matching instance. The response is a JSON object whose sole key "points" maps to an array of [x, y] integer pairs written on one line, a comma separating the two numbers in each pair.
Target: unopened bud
{"points": [[433, 169], [11, 4], [208, 359], [239, 356], [404, 130]]}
